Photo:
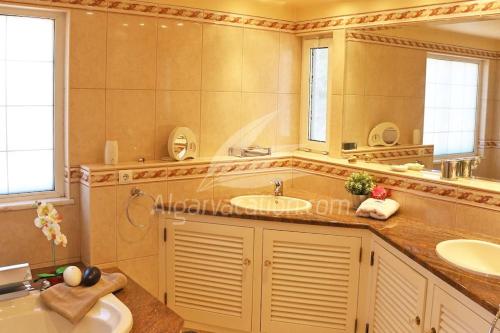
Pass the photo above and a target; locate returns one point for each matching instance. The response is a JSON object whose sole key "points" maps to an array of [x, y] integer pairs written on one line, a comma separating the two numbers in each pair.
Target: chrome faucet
{"points": [[15, 281], [251, 151], [278, 187]]}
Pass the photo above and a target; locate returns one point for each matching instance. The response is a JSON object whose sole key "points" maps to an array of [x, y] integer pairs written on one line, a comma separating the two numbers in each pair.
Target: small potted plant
{"points": [[360, 185]]}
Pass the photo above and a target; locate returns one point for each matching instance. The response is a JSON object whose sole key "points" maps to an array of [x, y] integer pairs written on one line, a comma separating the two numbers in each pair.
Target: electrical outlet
{"points": [[124, 176]]}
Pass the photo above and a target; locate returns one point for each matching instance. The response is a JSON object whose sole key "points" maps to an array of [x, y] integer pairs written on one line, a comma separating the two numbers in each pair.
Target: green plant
{"points": [[359, 183]]}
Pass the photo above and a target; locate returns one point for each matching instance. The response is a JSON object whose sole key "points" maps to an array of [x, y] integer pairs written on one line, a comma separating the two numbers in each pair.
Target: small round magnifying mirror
{"points": [[182, 144], [384, 134]]}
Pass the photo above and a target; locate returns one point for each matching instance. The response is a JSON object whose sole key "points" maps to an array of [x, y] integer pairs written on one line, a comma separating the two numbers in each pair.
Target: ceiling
{"points": [[484, 28]]}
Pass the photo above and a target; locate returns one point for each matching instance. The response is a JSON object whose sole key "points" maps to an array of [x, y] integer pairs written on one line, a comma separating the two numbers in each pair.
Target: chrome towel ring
{"points": [[134, 194]]}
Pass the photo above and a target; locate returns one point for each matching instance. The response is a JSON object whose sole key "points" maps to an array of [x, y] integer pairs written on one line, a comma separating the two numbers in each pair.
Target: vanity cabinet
{"points": [[397, 302], [451, 316], [309, 282], [401, 297], [210, 273]]}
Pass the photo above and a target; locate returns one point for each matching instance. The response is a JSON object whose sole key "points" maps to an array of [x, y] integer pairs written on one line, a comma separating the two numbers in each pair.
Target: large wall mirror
{"points": [[439, 82]]}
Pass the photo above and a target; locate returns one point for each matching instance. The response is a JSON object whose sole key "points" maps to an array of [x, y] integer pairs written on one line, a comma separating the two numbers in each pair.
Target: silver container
{"points": [[449, 169]]}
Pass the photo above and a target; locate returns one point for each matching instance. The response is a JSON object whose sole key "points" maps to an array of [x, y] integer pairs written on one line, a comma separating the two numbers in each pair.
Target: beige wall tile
{"points": [[85, 225], [289, 63], [133, 241], [222, 58], [411, 71], [475, 219], [144, 271], [226, 187], [87, 132], [317, 185], [190, 189], [220, 122], [380, 76], [260, 61], [21, 240], [435, 212], [174, 109], [130, 119], [354, 127], [287, 127], [102, 224], [179, 55], [87, 49], [336, 62], [259, 119], [355, 71], [131, 52]]}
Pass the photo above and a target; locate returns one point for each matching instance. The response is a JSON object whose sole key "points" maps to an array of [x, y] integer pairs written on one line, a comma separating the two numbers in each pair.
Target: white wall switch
{"points": [[124, 176]]}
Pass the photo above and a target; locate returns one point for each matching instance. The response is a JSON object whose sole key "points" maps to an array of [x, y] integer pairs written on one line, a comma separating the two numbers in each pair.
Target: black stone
{"points": [[91, 275]]}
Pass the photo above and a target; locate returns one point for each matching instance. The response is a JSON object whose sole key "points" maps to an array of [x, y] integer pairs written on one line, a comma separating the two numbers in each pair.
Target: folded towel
{"points": [[73, 303], [378, 209]]}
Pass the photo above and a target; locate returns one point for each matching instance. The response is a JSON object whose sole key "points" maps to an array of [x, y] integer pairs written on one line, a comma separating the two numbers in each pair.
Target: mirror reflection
{"points": [[439, 83], [180, 146]]}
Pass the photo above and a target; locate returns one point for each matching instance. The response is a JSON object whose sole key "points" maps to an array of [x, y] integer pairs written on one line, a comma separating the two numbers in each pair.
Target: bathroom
{"points": [[155, 121]]}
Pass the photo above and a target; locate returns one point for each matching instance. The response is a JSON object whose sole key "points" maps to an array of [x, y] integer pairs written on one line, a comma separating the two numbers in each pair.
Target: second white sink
{"points": [[271, 203], [472, 255]]}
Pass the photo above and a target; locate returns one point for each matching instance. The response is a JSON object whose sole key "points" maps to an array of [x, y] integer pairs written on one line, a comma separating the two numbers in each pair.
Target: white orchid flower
{"points": [[41, 222], [44, 209], [61, 239], [54, 216], [48, 220], [51, 231]]}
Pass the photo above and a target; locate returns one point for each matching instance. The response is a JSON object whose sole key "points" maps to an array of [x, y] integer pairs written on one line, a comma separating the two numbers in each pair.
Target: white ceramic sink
{"points": [[28, 314], [472, 255], [271, 203]]}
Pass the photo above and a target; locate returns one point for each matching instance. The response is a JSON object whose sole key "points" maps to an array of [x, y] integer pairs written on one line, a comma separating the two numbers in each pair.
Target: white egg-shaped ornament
{"points": [[72, 276]]}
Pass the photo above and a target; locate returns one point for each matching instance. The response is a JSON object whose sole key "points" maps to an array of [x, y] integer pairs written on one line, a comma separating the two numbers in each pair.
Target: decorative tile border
{"points": [[421, 187], [422, 45], [426, 188], [485, 144], [404, 15], [72, 175], [390, 153], [459, 9]]}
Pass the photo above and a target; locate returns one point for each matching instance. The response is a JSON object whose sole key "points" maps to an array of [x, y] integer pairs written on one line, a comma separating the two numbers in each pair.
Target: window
{"points": [[451, 95], [314, 107], [31, 104]]}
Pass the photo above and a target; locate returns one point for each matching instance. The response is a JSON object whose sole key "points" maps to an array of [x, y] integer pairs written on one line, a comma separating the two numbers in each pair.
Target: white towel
{"points": [[378, 209]]}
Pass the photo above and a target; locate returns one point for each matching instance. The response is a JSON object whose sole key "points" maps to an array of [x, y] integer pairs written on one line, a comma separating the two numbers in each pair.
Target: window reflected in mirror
{"points": [[451, 92]]}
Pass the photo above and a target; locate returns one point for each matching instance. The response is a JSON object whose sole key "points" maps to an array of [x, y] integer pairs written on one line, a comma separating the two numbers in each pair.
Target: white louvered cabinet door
{"points": [[209, 273], [451, 316], [309, 282], [397, 303]]}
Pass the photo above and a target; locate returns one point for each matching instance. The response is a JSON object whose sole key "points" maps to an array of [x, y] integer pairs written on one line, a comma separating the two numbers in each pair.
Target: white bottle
{"points": [[111, 152], [417, 136]]}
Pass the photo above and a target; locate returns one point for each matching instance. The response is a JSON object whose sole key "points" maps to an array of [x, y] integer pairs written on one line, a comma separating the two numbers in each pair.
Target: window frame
{"points": [[480, 63], [304, 142], [60, 80]]}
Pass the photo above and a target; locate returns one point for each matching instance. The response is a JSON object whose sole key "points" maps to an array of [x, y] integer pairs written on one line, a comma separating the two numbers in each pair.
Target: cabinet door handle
{"points": [[433, 330], [247, 262], [267, 263], [417, 320]]}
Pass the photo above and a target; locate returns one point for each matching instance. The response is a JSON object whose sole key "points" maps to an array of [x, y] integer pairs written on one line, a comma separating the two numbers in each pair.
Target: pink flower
{"points": [[380, 193]]}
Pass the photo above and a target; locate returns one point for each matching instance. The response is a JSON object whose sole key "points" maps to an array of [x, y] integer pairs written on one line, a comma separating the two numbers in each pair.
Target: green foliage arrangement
{"points": [[359, 183]]}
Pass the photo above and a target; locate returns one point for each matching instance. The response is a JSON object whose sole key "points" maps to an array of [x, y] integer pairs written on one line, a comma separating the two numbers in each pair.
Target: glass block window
{"points": [[451, 94], [28, 98]]}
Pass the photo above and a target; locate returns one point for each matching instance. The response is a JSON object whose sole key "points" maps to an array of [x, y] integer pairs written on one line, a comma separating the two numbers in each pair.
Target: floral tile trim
{"points": [[366, 20]]}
